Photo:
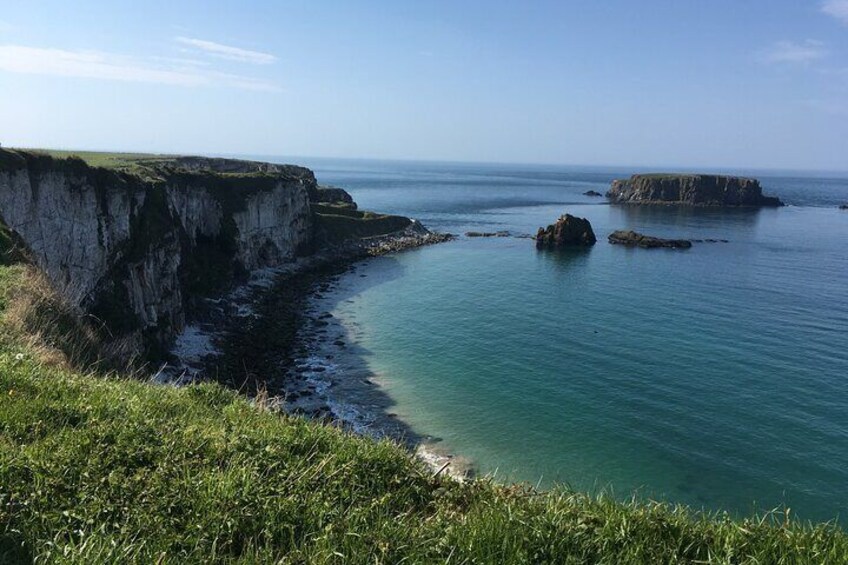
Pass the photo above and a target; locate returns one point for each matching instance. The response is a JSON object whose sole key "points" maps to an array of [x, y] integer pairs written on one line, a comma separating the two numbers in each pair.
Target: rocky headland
{"points": [[636, 239], [690, 190], [142, 245], [567, 231]]}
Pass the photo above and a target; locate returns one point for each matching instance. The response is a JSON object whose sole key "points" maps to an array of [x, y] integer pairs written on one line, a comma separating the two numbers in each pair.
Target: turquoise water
{"points": [[715, 376]]}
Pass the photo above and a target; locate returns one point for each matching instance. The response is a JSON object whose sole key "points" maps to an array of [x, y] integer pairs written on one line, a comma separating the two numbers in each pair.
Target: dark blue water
{"points": [[715, 376]]}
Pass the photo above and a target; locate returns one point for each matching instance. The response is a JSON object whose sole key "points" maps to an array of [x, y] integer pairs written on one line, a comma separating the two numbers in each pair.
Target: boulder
{"points": [[568, 231], [690, 190], [594, 193], [636, 239]]}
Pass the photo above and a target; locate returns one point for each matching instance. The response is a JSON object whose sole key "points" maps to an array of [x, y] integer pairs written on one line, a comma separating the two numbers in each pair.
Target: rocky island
{"points": [[568, 231], [631, 238], [690, 190]]}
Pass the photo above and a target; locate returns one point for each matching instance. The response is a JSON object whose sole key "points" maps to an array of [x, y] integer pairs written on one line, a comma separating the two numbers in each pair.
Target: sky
{"points": [[737, 84]]}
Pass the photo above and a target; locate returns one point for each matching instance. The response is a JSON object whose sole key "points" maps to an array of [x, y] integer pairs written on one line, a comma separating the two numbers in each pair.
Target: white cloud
{"points": [[792, 52], [109, 66], [836, 8], [228, 52]]}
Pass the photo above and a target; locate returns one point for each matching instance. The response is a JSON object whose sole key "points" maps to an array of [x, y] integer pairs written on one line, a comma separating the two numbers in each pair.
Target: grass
{"points": [[342, 224], [126, 162], [105, 469]]}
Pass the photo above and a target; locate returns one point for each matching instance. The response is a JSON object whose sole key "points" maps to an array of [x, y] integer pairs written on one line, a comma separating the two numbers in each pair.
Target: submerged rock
{"points": [[487, 234], [636, 239], [568, 231], [690, 190]]}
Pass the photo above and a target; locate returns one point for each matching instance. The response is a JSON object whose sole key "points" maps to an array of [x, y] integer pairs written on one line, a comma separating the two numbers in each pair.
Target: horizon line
{"points": [[252, 156]]}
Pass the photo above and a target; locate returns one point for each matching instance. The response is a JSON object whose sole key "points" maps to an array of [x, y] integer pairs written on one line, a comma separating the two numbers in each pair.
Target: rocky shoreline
{"points": [[274, 337]]}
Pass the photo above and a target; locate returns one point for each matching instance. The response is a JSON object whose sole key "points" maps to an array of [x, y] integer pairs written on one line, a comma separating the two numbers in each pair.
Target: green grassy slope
{"points": [[100, 469], [127, 162]]}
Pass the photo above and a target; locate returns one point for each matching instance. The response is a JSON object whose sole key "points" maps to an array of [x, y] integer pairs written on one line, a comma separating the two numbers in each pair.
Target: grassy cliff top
{"points": [[97, 469], [108, 160], [149, 166]]}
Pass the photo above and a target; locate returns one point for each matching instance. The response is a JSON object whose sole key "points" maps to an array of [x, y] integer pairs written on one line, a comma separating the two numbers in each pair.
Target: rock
{"points": [[593, 193], [635, 239], [331, 195], [487, 234], [843, 206], [691, 190], [568, 231]]}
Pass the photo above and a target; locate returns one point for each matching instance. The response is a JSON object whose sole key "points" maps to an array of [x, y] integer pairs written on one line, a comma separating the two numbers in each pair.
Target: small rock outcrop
{"points": [[690, 190], [843, 206], [636, 239], [593, 193], [487, 234], [568, 231], [331, 195]]}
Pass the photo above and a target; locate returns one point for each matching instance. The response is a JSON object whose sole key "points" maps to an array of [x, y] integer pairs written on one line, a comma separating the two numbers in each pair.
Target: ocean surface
{"points": [[715, 376]]}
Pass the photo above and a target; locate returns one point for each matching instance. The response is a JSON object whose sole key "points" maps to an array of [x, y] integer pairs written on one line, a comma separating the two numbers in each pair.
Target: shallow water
{"points": [[714, 376]]}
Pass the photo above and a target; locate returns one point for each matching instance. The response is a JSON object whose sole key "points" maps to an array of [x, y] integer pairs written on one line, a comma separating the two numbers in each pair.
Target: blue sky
{"points": [[738, 83]]}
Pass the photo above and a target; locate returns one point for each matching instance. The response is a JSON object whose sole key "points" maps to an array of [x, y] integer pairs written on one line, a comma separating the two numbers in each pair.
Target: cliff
{"points": [[691, 190], [136, 246]]}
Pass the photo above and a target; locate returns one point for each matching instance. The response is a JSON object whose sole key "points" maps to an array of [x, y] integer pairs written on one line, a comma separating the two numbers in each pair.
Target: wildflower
{"points": [[19, 357]]}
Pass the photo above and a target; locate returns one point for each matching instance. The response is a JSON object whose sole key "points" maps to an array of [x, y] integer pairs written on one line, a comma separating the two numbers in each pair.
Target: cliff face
{"points": [[135, 250], [692, 190]]}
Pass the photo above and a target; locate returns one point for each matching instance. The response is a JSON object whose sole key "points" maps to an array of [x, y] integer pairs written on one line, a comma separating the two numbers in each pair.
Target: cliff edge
{"points": [[691, 190], [137, 243]]}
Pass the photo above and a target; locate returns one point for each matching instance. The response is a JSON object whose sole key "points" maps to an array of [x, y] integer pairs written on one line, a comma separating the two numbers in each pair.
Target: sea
{"points": [[715, 376]]}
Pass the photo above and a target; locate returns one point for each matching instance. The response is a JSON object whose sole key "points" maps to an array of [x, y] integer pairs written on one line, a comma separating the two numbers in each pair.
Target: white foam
{"points": [[193, 344]]}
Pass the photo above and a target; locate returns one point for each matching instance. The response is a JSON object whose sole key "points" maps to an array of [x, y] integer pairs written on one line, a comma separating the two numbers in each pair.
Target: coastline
{"points": [[330, 380], [276, 332]]}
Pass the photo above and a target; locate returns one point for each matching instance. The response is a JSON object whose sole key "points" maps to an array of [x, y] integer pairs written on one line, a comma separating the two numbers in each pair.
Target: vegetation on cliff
{"points": [[107, 469]]}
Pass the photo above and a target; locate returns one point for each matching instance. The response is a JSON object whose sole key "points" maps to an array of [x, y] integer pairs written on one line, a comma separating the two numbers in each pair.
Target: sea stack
{"points": [[690, 190], [568, 231]]}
